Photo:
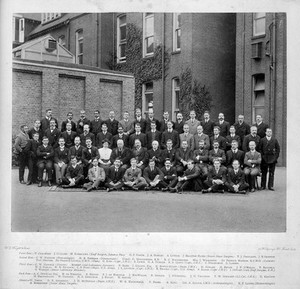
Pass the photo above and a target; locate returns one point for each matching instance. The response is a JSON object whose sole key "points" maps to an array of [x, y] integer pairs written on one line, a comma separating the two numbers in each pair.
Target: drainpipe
{"points": [[163, 61], [97, 40], [113, 44], [243, 65], [272, 95]]}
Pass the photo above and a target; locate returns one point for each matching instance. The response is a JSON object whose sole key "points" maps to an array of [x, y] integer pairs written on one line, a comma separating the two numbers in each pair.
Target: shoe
{"points": [[221, 191], [164, 189], [271, 189], [49, 184], [28, 183], [242, 192], [108, 190], [135, 189], [122, 189], [147, 189], [40, 184], [252, 190], [263, 188], [65, 186], [22, 182], [89, 189]]}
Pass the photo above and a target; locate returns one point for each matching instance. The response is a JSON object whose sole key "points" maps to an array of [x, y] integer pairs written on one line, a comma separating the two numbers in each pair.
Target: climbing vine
{"points": [[193, 95], [143, 69]]}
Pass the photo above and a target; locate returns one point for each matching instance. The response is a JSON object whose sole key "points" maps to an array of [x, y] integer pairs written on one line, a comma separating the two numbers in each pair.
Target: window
{"points": [[175, 97], [22, 28], [147, 96], [148, 34], [176, 31], [62, 40], [46, 17], [258, 95], [121, 38], [16, 28], [79, 46], [259, 24]]}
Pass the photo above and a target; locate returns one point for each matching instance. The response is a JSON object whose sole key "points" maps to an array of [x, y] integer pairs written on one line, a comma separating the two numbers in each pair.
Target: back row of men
{"points": [[191, 144]]}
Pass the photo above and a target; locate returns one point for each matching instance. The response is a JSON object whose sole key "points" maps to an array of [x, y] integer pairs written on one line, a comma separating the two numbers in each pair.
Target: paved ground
{"points": [[38, 209]]}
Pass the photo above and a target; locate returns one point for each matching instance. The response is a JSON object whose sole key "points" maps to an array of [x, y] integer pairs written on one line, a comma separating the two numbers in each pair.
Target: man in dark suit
{"points": [[201, 158], [270, 150], [190, 180], [232, 136], [45, 154], [114, 178], [120, 135], [217, 153], [95, 127], [164, 123], [178, 125], [140, 154], [207, 124], [169, 153], [53, 134], [251, 137], [152, 134], [45, 122], [76, 150], [139, 119], [104, 134], [252, 163], [133, 177], [87, 134], [61, 160], [169, 176], [241, 128], [68, 120], [234, 154], [172, 134], [123, 153], [137, 135], [81, 122], [223, 125], [74, 175], [31, 150], [183, 154], [221, 140], [216, 178], [36, 129], [151, 119], [155, 153], [261, 126], [69, 135], [88, 154], [236, 179], [112, 123], [153, 176]]}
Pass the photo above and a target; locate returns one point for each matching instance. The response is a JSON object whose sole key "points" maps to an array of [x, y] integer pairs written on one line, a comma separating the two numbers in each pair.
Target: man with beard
{"points": [[127, 124], [96, 123], [241, 127], [140, 154], [53, 134], [183, 154], [87, 134], [36, 129], [261, 126], [123, 153], [76, 150], [45, 122], [164, 123], [201, 136], [201, 158], [251, 137], [178, 125], [120, 135], [223, 125]]}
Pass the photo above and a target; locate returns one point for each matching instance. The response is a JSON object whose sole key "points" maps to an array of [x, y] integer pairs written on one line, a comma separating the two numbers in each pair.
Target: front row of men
{"points": [[170, 169]]}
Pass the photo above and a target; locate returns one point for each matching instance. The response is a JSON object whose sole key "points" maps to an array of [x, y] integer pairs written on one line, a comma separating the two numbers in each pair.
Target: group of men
{"points": [[191, 155]]}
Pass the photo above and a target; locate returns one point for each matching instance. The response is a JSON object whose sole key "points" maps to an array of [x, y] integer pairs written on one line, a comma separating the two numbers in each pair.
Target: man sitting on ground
{"points": [[74, 175], [114, 179], [169, 176], [153, 176], [236, 179], [96, 177], [133, 177]]}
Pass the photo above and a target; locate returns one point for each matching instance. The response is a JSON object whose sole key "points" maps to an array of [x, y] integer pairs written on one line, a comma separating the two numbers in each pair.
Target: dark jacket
{"points": [[61, 155], [53, 137], [45, 153], [269, 150], [125, 155]]}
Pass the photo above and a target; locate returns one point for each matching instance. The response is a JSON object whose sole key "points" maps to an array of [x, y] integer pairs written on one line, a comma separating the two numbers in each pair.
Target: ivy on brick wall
{"points": [[144, 69], [193, 95]]}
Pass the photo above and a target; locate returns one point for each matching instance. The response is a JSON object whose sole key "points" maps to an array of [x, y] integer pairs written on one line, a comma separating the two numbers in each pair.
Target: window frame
{"points": [[175, 101], [255, 79], [145, 36], [78, 39], [121, 42], [176, 28], [145, 104], [47, 17], [255, 19]]}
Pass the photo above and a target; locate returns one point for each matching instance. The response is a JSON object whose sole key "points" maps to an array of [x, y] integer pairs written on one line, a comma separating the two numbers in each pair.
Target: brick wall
{"points": [[67, 87]]}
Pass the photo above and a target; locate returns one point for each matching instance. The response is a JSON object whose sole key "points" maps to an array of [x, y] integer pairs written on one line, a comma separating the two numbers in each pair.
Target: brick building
{"points": [[38, 85], [261, 71]]}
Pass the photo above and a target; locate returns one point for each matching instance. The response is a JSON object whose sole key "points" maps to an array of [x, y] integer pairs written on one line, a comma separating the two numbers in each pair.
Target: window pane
{"points": [[260, 26], [176, 100], [179, 20], [80, 47], [80, 59], [148, 14], [122, 50], [149, 86], [178, 38], [149, 23], [149, 45], [259, 98], [122, 20], [123, 33], [259, 15]]}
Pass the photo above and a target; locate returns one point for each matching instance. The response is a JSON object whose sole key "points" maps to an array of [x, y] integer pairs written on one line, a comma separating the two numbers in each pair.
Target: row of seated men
{"points": [[204, 160]]}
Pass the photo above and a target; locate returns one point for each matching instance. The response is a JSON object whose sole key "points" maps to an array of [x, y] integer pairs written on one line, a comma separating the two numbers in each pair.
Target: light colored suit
{"points": [[193, 125]]}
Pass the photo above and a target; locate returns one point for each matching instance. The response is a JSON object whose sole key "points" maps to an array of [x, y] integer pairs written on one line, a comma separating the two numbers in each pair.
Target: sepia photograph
{"points": [[149, 122]]}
